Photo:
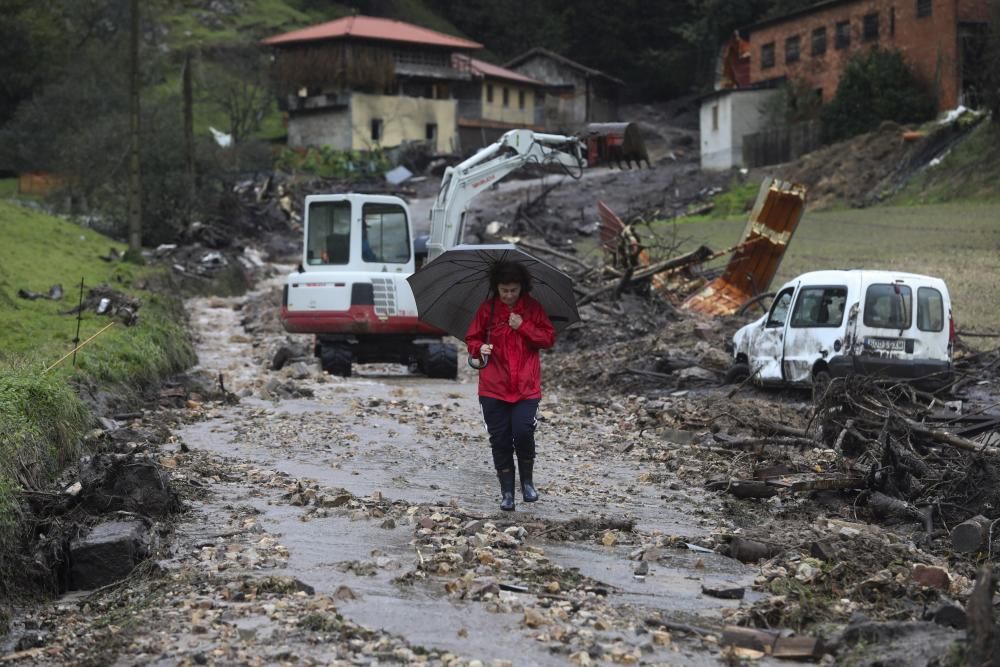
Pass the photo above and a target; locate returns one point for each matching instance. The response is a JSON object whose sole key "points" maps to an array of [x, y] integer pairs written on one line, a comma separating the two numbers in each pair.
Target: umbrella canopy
{"points": [[450, 288]]}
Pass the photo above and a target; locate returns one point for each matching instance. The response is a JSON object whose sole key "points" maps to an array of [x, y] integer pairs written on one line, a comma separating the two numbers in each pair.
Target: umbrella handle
{"points": [[477, 364]]}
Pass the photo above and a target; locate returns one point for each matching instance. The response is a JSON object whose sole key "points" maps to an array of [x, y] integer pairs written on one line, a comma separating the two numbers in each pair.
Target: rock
{"points": [[107, 554], [931, 576], [723, 590]]}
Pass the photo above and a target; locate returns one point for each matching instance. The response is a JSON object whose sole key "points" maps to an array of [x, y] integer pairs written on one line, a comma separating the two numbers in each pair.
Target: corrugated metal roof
{"points": [[370, 27], [495, 71]]}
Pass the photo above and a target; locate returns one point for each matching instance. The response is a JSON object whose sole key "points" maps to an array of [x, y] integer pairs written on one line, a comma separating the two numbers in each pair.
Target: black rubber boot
{"points": [[524, 469], [506, 490]]}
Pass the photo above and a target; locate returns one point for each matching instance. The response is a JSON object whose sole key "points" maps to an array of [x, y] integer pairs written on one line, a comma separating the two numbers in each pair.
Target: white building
{"points": [[726, 117]]}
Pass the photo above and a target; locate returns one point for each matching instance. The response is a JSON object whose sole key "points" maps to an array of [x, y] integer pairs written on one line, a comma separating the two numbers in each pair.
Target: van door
{"points": [[766, 349], [814, 331]]}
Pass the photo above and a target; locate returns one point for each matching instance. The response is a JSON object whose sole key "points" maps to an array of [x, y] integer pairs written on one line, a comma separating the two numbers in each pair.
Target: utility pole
{"points": [[134, 253], [189, 173]]}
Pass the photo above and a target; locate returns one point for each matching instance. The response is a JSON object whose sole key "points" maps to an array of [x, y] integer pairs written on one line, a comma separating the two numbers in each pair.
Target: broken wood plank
{"points": [[798, 647], [743, 488], [950, 439], [981, 633]]}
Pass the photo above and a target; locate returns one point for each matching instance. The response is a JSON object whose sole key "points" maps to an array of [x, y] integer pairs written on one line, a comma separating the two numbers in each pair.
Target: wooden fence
{"points": [[781, 144]]}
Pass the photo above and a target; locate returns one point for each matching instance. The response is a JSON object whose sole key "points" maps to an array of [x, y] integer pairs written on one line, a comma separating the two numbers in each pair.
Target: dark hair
{"points": [[510, 272]]}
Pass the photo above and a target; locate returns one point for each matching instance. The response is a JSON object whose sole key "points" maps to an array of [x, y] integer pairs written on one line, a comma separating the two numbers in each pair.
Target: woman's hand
{"points": [[514, 321], [486, 350]]}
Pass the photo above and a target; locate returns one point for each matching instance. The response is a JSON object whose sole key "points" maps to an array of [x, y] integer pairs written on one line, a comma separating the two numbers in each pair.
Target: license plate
{"points": [[885, 344]]}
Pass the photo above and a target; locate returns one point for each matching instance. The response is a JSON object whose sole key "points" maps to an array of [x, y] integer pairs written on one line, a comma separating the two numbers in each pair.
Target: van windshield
{"points": [[819, 307], [888, 306]]}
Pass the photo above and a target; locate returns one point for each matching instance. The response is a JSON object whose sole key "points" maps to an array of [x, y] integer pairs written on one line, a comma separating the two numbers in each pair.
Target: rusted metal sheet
{"points": [[755, 261]]}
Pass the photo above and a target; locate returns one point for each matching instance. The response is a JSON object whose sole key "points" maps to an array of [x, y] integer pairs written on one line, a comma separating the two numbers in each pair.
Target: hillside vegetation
{"points": [[43, 418]]}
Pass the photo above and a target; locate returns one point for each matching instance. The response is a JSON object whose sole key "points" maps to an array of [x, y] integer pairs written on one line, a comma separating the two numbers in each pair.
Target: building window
{"points": [[506, 97], [870, 31], [520, 99], [792, 50], [843, 35], [431, 132], [376, 129], [767, 55], [924, 8], [715, 116], [819, 41], [489, 93]]}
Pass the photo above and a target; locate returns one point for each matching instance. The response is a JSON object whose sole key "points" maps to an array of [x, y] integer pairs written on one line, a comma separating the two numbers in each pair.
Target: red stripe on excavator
{"points": [[355, 320]]}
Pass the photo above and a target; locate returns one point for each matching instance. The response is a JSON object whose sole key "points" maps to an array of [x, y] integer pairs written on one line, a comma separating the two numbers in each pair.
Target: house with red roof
{"points": [[363, 82]]}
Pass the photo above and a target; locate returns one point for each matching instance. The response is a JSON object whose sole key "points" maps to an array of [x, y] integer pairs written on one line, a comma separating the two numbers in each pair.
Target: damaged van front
{"points": [[826, 324]]}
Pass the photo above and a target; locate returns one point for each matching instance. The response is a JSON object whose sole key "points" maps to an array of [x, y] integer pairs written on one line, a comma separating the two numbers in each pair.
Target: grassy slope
{"points": [[971, 170], [42, 421]]}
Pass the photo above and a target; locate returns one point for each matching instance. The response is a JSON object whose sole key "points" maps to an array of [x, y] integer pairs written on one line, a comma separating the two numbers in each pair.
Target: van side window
{"points": [[819, 307], [779, 309], [930, 309], [888, 306]]}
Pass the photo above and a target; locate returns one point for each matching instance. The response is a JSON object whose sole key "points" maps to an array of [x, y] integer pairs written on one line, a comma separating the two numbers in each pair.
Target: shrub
{"points": [[876, 87]]}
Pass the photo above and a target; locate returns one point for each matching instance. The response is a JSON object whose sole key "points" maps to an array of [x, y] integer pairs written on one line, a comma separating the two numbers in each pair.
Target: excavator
{"points": [[350, 288]]}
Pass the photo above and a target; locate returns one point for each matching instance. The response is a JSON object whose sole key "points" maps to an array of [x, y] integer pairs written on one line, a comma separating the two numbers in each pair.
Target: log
{"points": [[744, 488], [884, 505], [757, 640], [972, 535]]}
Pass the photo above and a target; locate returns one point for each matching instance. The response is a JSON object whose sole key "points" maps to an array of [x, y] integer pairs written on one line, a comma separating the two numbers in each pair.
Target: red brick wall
{"points": [[930, 44]]}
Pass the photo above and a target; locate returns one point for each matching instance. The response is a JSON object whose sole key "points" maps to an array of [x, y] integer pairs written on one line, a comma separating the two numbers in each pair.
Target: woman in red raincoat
{"points": [[507, 332]]}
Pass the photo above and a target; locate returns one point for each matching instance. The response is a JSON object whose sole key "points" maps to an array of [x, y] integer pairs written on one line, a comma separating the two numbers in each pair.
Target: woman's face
{"points": [[509, 292]]}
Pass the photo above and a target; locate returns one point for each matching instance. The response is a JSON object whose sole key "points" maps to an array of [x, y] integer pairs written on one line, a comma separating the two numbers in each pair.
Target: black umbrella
{"points": [[449, 289]]}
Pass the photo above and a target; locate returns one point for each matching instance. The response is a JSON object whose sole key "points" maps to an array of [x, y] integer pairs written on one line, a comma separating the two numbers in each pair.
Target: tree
{"points": [[236, 82], [875, 87], [134, 253]]}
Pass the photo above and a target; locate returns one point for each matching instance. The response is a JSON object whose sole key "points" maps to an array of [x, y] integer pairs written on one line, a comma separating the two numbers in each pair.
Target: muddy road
{"points": [[380, 490]]}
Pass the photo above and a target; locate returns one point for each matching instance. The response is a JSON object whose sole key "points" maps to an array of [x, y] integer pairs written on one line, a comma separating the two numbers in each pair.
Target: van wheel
{"points": [[820, 384], [441, 361], [738, 372], [336, 360]]}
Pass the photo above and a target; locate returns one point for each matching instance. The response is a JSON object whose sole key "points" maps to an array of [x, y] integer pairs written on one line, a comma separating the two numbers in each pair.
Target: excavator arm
{"points": [[464, 181]]}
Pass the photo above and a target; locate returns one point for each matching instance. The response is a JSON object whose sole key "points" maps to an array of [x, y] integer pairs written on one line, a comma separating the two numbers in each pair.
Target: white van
{"points": [[827, 324]]}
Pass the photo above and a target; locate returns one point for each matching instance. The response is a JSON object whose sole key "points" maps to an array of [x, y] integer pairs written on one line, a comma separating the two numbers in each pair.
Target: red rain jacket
{"points": [[514, 372]]}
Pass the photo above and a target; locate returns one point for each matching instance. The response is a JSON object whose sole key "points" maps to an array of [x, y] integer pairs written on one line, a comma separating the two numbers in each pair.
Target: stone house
{"points": [[363, 82], [576, 94]]}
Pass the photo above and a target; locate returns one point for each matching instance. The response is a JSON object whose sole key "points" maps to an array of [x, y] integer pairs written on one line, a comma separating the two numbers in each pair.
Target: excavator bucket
{"points": [[755, 260], [614, 144]]}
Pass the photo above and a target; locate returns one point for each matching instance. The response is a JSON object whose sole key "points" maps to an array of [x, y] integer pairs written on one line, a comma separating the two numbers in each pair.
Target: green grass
{"points": [[8, 187], [959, 242], [734, 202], [42, 420]]}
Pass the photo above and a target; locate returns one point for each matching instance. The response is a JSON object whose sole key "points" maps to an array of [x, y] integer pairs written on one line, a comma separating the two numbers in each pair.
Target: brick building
{"points": [[942, 41]]}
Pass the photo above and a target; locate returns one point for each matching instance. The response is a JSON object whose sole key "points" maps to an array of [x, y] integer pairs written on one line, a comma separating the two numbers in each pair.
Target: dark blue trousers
{"points": [[512, 429]]}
